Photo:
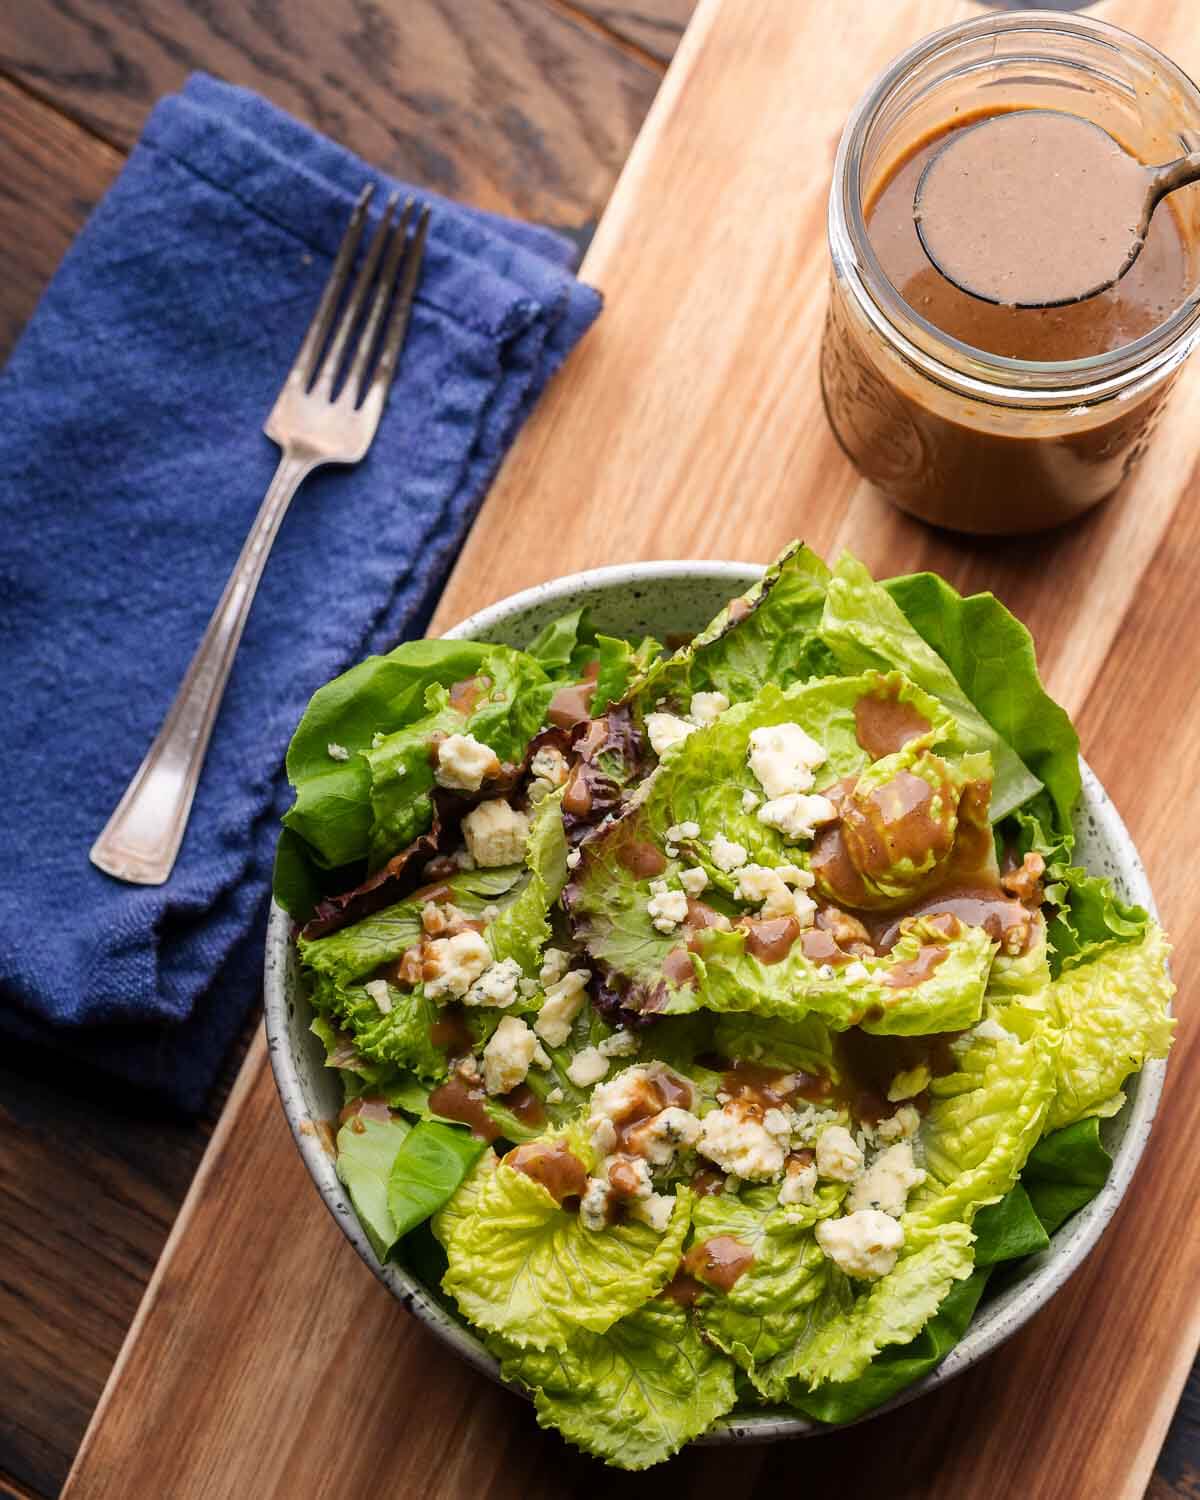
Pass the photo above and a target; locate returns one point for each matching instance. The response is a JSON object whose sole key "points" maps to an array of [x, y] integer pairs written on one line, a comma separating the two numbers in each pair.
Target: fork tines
{"points": [[362, 375]]}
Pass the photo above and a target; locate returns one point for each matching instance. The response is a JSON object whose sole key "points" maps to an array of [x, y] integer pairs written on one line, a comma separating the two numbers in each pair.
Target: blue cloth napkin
{"points": [[132, 461]]}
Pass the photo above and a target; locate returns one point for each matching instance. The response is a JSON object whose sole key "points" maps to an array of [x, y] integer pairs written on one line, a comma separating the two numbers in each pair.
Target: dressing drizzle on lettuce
{"points": [[714, 1021]]}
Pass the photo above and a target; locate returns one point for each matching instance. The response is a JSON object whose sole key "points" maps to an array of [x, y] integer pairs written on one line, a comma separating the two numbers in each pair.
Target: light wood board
{"points": [[265, 1360]]}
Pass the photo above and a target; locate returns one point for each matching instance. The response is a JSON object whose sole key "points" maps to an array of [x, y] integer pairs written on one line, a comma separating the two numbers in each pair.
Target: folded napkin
{"points": [[132, 461]]}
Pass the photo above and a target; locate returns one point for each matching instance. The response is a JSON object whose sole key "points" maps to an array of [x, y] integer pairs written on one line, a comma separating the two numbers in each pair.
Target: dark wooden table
{"points": [[524, 106]]}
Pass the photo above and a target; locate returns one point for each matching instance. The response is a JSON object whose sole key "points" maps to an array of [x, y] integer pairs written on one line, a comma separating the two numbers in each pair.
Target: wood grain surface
{"points": [[512, 105], [265, 1359]]}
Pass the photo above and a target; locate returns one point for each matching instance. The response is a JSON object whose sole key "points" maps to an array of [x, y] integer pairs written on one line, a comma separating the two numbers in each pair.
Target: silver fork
{"points": [[312, 426]]}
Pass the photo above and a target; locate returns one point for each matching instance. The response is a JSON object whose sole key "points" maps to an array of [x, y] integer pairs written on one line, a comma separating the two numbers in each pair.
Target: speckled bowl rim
{"points": [[997, 1320]]}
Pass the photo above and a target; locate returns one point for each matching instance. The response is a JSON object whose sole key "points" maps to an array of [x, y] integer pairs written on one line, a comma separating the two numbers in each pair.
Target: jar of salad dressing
{"points": [[985, 418]]}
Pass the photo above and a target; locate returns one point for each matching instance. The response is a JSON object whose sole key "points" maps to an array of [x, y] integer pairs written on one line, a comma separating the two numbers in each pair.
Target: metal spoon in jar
{"points": [[1038, 208]]}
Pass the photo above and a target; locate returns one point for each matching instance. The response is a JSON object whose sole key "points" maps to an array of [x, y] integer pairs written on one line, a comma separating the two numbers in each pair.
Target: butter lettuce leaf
{"points": [[631, 1396], [399, 1036], [866, 628], [524, 1267], [366, 1150], [892, 1312], [431, 1164], [992, 657], [767, 635], [461, 1204], [788, 1290], [1113, 1013], [731, 979], [983, 1121], [522, 927], [898, 1366]]}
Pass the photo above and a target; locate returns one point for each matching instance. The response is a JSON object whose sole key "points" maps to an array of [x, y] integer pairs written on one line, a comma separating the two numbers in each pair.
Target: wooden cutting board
{"points": [[265, 1360]]}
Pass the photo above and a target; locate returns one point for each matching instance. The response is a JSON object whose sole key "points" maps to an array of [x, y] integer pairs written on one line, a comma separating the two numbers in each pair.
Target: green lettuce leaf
{"points": [[524, 1267], [366, 1149], [432, 1162], [892, 1311], [804, 1046], [896, 1367], [462, 1203], [1065, 1171], [1009, 1229], [768, 635], [865, 628], [950, 999], [992, 657], [522, 928], [983, 1121], [631, 1396], [787, 1291], [345, 809], [1114, 1018], [399, 1037]]}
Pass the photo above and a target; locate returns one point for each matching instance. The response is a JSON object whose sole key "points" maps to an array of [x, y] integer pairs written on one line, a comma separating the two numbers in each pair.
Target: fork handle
{"points": [[142, 838]]}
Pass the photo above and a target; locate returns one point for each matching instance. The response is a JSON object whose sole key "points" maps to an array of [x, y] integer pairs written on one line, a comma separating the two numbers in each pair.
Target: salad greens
{"points": [[716, 1025]]}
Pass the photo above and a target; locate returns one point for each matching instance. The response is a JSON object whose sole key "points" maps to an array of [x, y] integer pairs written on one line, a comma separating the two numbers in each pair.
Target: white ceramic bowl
{"points": [[658, 599]]}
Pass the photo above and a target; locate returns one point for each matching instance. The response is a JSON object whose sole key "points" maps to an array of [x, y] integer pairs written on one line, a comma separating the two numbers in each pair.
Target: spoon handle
{"points": [[1172, 175]]}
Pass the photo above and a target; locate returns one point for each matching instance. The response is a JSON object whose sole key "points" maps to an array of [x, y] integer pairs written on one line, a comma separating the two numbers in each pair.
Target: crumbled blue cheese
{"points": [[498, 985], [694, 880], [750, 800], [593, 1206], [799, 1183], [679, 832], [379, 992], [863, 1244], [887, 1182], [555, 962], [377, 739], [856, 972], [563, 1002], [909, 1084], [508, 1055], [707, 708], [573, 858], [549, 764], [659, 1138], [453, 964], [783, 758], [463, 763], [803, 880], [336, 751], [839, 1159], [587, 1067], [742, 1145], [555, 1095], [665, 730], [763, 886], [901, 1126], [666, 908], [654, 1210], [621, 1044], [796, 816], [726, 854], [496, 834]]}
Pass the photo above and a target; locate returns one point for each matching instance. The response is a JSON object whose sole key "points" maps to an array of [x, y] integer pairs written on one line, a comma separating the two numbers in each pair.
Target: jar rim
{"points": [[949, 361]]}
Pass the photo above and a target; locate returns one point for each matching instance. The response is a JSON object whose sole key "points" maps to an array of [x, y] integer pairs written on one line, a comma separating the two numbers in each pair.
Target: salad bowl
{"points": [[665, 599]]}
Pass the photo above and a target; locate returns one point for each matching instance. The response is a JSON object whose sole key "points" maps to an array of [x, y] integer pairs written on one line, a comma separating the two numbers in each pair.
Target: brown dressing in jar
{"points": [[993, 463]]}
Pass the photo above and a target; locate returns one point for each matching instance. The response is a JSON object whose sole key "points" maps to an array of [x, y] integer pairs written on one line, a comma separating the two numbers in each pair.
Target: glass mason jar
{"points": [[962, 438]]}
